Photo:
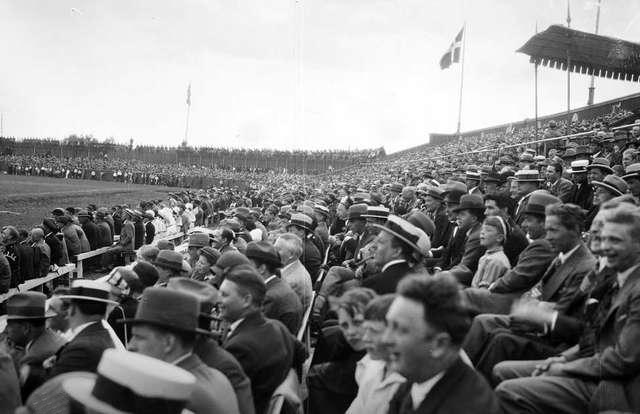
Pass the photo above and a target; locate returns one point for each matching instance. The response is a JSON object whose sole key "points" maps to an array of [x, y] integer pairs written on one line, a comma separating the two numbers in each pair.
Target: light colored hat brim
{"points": [[608, 187], [112, 302], [79, 389], [401, 237]]}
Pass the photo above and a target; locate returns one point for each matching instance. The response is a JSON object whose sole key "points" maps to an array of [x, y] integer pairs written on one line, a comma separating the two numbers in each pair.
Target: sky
{"points": [[283, 74]]}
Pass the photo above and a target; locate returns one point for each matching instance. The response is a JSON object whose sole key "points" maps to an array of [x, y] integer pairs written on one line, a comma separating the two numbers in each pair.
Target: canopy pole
{"points": [[464, 49], [592, 86], [568, 67]]}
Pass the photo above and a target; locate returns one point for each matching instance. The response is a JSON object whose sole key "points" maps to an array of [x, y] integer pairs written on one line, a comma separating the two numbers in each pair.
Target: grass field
{"points": [[24, 201]]}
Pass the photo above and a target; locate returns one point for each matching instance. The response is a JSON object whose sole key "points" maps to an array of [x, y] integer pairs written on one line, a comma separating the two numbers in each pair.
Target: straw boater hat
{"points": [[377, 212], [409, 234], [83, 289], [27, 306], [614, 184], [128, 382], [527, 176], [578, 167]]}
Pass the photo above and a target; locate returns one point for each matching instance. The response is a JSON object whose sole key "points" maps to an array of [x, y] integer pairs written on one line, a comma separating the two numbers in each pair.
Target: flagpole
{"points": [[568, 68], [592, 87], [186, 128], [535, 83], [464, 49]]}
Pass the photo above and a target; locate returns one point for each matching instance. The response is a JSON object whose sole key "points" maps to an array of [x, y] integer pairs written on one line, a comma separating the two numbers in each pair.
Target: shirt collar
{"points": [[419, 391], [234, 325], [623, 276], [287, 266], [182, 358], [75, 331], [391, 263], [269, 279], [564, 256]]}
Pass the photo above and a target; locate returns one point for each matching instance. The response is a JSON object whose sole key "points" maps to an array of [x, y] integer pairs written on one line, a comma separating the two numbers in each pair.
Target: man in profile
{"points": [[425, 328]]}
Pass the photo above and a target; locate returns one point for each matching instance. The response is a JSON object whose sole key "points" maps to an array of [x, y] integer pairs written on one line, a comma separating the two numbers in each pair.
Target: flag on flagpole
{"points": [[453, 54], [189, 95]]}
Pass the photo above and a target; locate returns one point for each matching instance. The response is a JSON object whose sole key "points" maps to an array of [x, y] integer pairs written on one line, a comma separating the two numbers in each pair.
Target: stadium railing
{"points": [[79, 268], [34, 283]]}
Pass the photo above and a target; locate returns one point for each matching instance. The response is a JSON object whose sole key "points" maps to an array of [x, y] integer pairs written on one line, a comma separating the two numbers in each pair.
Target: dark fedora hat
{"points": [[614, 184], [470, 202], [538, 201], [169, 309], [302, 221], [264, 252], [206, 294], [27, 306]]}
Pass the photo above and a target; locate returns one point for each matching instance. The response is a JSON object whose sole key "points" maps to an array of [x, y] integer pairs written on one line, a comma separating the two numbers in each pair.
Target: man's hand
{"points": [[533, 313], [544, 366]]}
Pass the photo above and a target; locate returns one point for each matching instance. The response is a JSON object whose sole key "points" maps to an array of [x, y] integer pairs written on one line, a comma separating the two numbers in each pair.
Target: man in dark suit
{"points": [[280, 302], [88, 301], [531, 265], [433, 199], [558, 185], [425, 327], [26, 329], [9, 384], [567, 383], [451, 250], [583, 195], [527, 182], [90, 228], [302, 226], [470, 213], [264, 347], [495, 338], [165, 328], [398, 246]]}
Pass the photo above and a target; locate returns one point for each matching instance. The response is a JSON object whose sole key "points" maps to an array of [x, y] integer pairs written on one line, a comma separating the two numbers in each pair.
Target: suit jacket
{"points": [[563, 189], [27, 262], [104, 234], [299, 279], [443, 230], [127, 236], [83, 352], [267, 351], [454, 250], [461, 390], [387, 281], [138, 235], [282, 303], [9, 385], [213, 392], [617, 354], [466, 268], [43, 347], [584, 196], [217, 357], [91, 231], [560, 283], [57, 254], [532, 264], [311, 259], [515, 243]]}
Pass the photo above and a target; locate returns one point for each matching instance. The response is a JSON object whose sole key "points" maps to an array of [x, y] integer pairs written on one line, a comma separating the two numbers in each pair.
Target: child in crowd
{"points": [[494, 263], [377, 383]]}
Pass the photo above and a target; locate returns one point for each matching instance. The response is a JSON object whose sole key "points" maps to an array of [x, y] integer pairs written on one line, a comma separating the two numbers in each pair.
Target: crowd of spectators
{"points": [[442, 280]]}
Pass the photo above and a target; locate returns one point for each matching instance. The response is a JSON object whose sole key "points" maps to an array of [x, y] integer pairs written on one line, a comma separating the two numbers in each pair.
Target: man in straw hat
{"points": [[91, 335], [527, 181], [399, 245], [26, 330], [302, 226], [165, 327], [127, 382]]}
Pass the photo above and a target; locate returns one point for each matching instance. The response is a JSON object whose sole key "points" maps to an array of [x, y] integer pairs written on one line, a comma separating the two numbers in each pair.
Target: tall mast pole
{"points": [[464, 47], [592, 86]]}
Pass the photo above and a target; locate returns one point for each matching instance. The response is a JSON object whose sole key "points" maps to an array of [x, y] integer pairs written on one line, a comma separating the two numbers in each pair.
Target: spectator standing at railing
{"points": [[90, 228], [149, 228], [59, 255], [12, 254], [5, 274], [41, 251], [105, 234]]}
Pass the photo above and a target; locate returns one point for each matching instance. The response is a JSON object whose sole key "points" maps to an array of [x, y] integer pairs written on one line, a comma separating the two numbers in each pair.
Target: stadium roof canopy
{"points": [[589, 53]]}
